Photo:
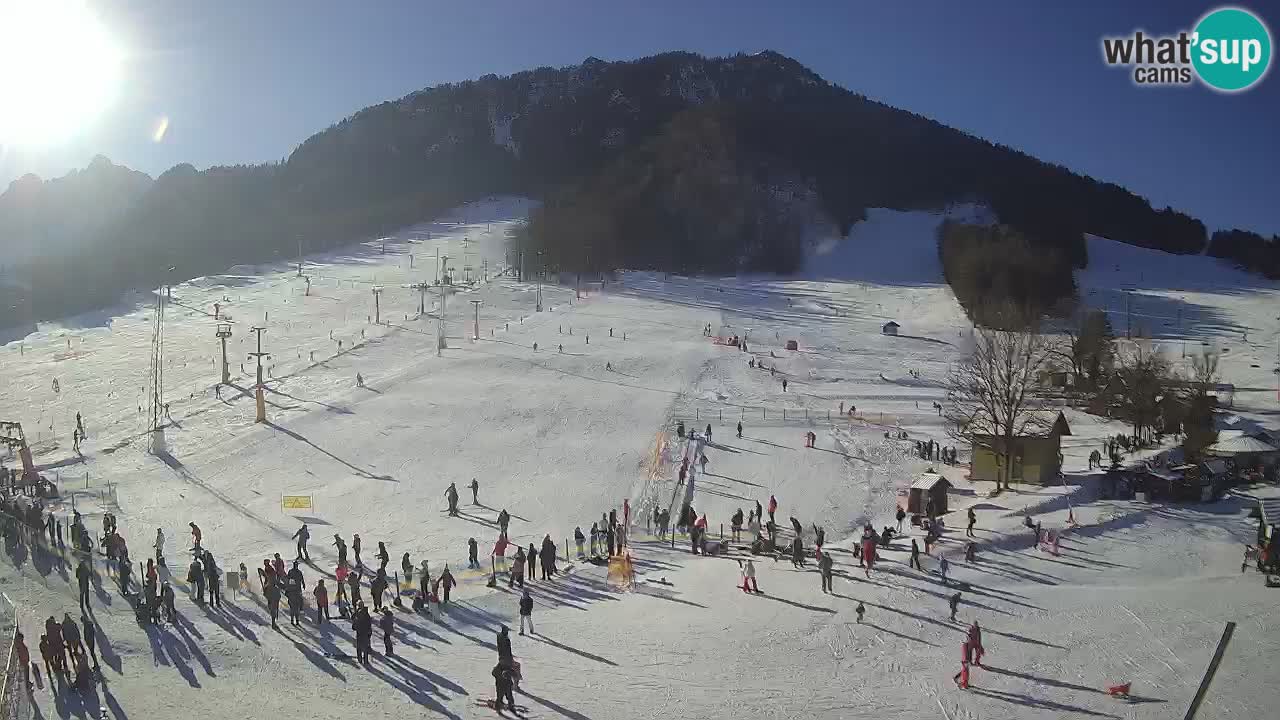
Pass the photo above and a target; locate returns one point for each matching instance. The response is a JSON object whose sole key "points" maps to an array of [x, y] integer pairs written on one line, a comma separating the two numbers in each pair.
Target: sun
{"points": [[59, 70]]}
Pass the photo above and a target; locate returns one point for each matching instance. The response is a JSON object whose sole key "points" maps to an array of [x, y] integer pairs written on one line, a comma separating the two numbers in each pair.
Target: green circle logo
{"points": [[1231, 49]]}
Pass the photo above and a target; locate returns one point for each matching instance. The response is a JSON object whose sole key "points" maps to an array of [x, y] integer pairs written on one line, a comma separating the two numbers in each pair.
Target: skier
{"points": [[784, 381], [387, 622], [195, 536], [901, 515], [321, 594], [339, 543], [355, 548], [739, 430], [447, 582], [973, 520], [749, 577], [579, 538], [473, 552], [383, 556], [825, 566], [159, 547], [526, 612], [302, 536], [915, 556], [475, 491], [504, 519], [451, 494], [954, 602]]}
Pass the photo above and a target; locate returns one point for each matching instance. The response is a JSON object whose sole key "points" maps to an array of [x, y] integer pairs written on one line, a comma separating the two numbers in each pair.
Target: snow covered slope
{"points": [[563, 432]]}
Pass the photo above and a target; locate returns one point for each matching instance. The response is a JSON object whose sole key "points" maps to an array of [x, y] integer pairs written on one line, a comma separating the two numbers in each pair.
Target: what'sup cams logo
{"points": [[1229, 50]]}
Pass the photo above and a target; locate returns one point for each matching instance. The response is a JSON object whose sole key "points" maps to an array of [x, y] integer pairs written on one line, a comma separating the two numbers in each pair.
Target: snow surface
{"points": [[1139, 593]]}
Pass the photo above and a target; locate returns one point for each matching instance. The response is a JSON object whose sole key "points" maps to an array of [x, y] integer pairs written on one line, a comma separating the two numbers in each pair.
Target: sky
{"points": [[245, 81]]}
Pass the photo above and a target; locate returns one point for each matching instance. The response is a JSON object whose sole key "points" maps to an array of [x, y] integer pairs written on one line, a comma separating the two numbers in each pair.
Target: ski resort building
{"points": [[1036, 458]]}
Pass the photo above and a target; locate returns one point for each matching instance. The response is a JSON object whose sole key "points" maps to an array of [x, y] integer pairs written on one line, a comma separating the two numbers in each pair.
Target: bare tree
{"points": [[990, 398], [1141, 377], [1201, 379]]}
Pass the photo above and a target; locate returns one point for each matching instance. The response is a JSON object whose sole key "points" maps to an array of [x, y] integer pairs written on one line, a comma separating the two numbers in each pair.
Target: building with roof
{"points": [[1037, 458], [930, 487]]}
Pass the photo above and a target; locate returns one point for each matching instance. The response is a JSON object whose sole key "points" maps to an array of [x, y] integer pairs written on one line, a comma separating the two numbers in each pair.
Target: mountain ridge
{"points": [[548, 132]]}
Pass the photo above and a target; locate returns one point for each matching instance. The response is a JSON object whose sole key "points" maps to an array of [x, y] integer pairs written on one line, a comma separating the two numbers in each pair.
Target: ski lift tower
{"points": [[224, 332], [440, 338], [259, 399], [377, 306], [476, 334]]}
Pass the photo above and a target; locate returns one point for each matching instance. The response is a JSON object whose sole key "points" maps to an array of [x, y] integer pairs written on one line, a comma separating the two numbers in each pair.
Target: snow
{"points": [[1139, 593]]}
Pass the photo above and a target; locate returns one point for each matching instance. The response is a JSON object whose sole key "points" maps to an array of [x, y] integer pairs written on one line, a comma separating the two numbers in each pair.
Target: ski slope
{"points": [[559, 437]]}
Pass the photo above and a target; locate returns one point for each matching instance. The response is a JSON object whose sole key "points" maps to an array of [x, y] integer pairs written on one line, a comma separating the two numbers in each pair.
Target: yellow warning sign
{"points": [[295, 502]]}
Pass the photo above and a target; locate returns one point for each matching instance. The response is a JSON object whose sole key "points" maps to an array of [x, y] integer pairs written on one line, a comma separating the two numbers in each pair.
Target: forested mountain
{"points": [[675, 161]]}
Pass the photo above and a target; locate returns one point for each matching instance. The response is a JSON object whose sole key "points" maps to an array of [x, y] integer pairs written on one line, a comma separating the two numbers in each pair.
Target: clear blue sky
{"points": [[247, 80]]}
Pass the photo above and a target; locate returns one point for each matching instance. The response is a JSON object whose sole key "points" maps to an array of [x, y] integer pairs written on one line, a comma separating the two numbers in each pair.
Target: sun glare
{"points": [[59, 70]]}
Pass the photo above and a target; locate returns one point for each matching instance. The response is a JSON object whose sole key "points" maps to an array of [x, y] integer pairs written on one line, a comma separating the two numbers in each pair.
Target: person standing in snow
{"points": [[406, 566], [473, 552], [377, 588], [451, 495], [159, 547], [362, 623], [342, 548], [195, 535], [383, 556], [975, 641], [708, 432], [353, 586], [388, 624], [901, 515], [302, 536], [504, 519], [797, 553], [548, 557], [973, 520], [531, 560], [954, 602], [475, 491], [272, 593], [735, 524], [868, 553], [942, 568], [594, 537], [321, 594], [610, 537], [784, 381], [739, 430], [915, 556], [504, 647], [526, 612], [517, 569], [90, 639], [82, 580], [749, 577], [825, 566], [579, 539], [446, 582], [504, 682], [355, 548], [860, 611], [773, 507]]}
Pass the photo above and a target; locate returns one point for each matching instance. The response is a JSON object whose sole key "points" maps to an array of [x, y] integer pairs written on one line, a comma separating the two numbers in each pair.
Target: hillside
{"points": [[735, 156]]}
